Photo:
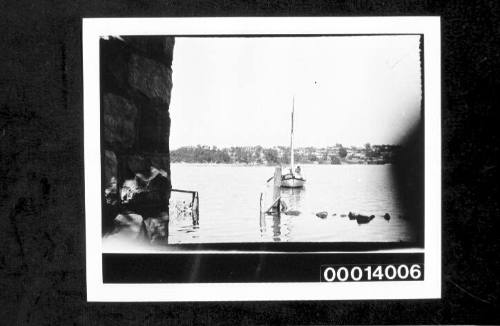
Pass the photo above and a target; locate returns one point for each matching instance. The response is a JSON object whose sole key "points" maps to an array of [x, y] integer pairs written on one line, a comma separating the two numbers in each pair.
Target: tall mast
{"points": [[291, 139]]}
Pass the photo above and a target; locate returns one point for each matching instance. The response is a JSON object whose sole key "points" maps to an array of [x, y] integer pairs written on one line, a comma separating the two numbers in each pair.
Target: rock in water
{"points": [[322, 214], [352, 216], [343, 215], [364, 219], [292, 212], [387, 217]]}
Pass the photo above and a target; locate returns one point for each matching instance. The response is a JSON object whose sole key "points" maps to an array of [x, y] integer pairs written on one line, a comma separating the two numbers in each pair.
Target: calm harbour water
{"points": [[229, 205]]}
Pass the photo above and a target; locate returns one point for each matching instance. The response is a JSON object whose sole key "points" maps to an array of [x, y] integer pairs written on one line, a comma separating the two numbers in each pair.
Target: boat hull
{"points": [[288, 181]]}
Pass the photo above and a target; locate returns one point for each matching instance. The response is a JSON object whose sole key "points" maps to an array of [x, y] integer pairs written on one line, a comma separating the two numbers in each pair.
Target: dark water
{"points": [[229, 205]]}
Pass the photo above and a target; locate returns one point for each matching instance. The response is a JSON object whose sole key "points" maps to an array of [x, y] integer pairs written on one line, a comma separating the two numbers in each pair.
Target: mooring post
{"points": [[262, 215], [279, 207], [196, 208], [277, 178], [276, 187]]}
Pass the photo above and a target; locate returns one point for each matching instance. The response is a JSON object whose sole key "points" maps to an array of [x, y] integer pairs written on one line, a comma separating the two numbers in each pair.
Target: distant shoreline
{"points": [[334, 155], [270, 165]]}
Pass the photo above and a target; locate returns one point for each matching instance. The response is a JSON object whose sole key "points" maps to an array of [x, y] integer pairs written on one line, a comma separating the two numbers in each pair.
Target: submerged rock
{"points": [[343, 215], [364, 219], [322, 214], [360, 218], [292, 212]]}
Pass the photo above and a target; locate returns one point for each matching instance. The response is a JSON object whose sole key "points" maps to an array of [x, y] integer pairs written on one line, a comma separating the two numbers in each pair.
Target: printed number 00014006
{"points": [[354, 273]]}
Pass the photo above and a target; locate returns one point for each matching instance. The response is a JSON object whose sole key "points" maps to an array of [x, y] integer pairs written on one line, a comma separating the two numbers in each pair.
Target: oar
{"points": [[270, 179]]}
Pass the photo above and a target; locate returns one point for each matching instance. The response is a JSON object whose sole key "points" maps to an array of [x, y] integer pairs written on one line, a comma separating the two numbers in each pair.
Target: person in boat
{"points": [[297, 170]]}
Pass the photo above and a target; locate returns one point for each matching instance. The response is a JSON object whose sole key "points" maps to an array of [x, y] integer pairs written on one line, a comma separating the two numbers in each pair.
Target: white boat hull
{"points": [[288, 181]]}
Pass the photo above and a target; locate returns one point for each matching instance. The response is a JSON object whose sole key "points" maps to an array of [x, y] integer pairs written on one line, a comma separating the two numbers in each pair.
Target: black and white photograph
{"points": [[249, 162], [239, 142], [286, 139]]}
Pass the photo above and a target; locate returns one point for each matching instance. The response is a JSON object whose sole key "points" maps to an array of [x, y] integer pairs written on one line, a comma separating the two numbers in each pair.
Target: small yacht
{"points": [[292, 178]]}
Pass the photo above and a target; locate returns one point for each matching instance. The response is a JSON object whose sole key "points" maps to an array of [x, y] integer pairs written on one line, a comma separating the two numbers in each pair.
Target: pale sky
{"points": [[350, 90]]}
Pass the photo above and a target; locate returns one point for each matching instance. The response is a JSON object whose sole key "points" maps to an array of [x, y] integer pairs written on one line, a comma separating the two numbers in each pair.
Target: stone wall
{"points": [[136, 84]]}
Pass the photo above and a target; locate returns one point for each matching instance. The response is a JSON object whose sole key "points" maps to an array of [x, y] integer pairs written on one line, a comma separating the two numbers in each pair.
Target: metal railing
{"points": [[195, 204]]}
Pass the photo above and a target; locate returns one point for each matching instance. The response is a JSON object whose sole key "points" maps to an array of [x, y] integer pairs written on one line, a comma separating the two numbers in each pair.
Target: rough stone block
{"points": [[129, 223], [119, 121], [110, 165], [151, 78], [157, 229], [136, 163], [160, 48]]}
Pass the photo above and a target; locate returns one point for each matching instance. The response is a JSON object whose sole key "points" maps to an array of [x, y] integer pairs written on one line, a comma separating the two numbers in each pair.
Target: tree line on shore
{"points": [[338, 154]]}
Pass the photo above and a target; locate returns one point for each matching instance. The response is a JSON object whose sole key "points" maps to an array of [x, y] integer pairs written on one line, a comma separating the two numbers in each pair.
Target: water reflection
{"points": [[282, 224], [292, 197], [277, 228], [282, 227]]}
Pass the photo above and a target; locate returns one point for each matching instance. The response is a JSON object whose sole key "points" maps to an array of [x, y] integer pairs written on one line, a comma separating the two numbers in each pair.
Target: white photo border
{"points": [[429, 288]]}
